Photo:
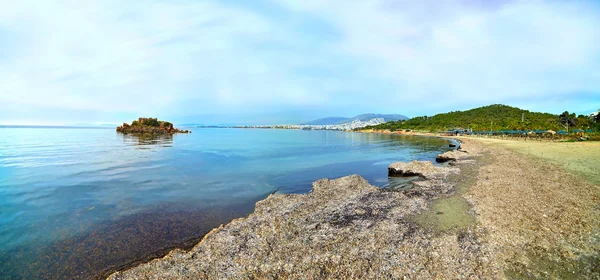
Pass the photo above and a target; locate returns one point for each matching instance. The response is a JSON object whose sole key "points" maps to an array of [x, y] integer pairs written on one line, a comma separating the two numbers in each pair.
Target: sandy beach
{"points": [[579, 158], [539, 204], [506, 209]]}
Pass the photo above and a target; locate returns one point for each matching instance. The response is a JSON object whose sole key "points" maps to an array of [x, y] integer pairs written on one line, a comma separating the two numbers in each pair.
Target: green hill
{"points": [[493, 117]]}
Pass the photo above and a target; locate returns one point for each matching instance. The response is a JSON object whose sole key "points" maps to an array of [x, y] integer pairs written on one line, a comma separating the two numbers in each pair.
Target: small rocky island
{"points": [[151, 126]]}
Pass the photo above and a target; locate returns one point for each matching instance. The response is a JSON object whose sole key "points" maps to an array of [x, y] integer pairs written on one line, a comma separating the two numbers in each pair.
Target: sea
{"points": [[82, 202]]}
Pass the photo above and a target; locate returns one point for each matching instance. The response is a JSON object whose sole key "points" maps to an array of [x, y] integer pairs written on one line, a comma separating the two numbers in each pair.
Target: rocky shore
{"points": [[490, 214], [149, 126], [344, 228]]}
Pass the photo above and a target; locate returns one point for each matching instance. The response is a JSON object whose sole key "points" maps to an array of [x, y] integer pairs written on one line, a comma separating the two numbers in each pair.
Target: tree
{"points": [[503, 117], [567, 120]]}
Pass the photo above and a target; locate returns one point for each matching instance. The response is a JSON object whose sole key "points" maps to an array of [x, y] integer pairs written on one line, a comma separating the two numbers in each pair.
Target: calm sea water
{"points": [[79, 203]]}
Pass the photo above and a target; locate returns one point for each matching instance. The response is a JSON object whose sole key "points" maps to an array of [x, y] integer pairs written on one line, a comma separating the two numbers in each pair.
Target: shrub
{"points": [[150, 122]]}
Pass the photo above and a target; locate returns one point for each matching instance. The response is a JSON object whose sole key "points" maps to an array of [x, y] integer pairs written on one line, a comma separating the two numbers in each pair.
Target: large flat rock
{"points": [[425, 169], [454, 155]]}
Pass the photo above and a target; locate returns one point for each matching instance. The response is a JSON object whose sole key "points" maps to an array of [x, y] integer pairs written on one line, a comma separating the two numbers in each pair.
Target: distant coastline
{"points": [[350, 126]]}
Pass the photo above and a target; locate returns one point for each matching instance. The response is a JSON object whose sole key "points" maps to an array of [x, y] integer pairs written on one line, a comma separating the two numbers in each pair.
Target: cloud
{"points": [[188, 58], [456, 53], [115, 56]]}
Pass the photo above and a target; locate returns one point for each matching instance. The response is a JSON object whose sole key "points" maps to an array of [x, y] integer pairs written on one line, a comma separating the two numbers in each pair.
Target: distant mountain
{"points": [[328, 121], [363, 117]]}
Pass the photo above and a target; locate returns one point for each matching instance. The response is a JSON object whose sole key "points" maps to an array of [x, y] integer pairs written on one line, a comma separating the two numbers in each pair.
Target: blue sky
{"points": [[68, 62]]}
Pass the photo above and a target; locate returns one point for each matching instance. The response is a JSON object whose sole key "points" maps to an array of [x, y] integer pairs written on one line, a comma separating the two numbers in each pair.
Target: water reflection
{"points": [[147, 139]]}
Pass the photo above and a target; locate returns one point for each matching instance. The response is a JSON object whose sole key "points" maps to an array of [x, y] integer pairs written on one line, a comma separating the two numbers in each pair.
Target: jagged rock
{"points": [[453, 155], [425, 169]]}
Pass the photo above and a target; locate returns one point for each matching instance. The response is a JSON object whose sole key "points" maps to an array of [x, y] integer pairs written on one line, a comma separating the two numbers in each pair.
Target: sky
{"points": [[290, 61]]}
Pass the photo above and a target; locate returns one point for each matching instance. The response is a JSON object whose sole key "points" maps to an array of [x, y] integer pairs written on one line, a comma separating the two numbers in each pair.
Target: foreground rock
{"points": [[343, 229], [151, 126]]}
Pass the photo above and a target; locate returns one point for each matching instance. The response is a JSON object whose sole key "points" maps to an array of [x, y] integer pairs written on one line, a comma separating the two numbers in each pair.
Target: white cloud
{"points": [[435, 49], [125, 56], [185, 57]]}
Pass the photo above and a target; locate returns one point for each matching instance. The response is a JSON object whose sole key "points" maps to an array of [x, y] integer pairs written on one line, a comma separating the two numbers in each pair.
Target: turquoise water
{"points": [[79, 203]]}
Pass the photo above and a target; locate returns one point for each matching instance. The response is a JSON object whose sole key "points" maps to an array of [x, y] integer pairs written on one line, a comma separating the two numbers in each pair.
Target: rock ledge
{"points": [[454, 155], [425, 169]]}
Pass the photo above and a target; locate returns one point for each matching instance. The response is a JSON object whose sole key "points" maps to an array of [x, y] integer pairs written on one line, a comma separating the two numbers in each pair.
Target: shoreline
{"points": [[489, 247], [433, 186], [190, 243]]}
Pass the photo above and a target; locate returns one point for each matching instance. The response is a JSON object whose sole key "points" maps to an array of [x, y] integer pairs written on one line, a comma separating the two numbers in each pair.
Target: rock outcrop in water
{"points": [[343, 229], [151, 126]]}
